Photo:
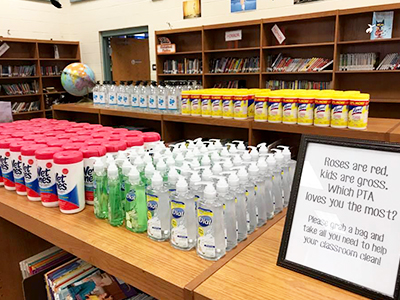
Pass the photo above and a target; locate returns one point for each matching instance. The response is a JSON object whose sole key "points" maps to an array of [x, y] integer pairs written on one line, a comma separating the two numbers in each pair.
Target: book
{"points": [[297, 84], [235, 65], [382, 25], [280, 63]]}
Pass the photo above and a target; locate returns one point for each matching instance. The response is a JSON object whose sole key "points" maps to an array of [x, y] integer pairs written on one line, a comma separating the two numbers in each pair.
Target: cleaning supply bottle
{"points": [[135, 96], [162, 168], [143, 96], [100, 184], [125, 184], [230, 220], [162, 97], [276, 190], [186, 170], [259, 187], [269, 195], [210, 226], [263, 149], [148, 174], [286, 184], [277, 179], [254, 153], [217, 144], [241, 147], [183, 217], [173, 177], [246, 157], [135, 204], [266, 187], [240, 202], [158, 211], [115, 206]]}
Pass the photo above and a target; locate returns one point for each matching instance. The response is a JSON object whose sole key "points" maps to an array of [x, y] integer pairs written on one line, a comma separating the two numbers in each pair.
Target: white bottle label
{"points": [[135, 100], [120, 99], [112, 98], [161, 103], [143, 101], [207, 246], [172, 103], [179, 236], [152, 102], [154, 228], [102, 98], [96, 98], [126, 100]]}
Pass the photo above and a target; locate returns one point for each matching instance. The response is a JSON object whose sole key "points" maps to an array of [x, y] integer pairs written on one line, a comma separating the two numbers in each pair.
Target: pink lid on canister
{"points": [[84, 132], [134, 141], [96, 142], [47, 152], [149, 137], [115, 138], [29, 150], [55, 143], [67, 157], [115, 146], [80, 139], [73, 146], [80, 125], [19, 134], [29, 138], [72, 130], [93, 151], [134, 133], [106, 129], [60, 128], [121, 130], [50, 133], [5, 144], [38, 119], [17, 145], [100, 135], [65, 136]]}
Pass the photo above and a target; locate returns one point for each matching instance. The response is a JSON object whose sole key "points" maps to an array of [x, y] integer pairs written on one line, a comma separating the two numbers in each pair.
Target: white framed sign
{"points": [[234, 35], [343, 221]]}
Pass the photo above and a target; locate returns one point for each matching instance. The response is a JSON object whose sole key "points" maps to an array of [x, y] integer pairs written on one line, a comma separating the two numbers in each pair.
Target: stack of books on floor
{"points": [[21, 88], [17, 71], [297, 85], [18, 107], [65, 277], [358, 61], [183, 66], [283, 63], [235, 65]]}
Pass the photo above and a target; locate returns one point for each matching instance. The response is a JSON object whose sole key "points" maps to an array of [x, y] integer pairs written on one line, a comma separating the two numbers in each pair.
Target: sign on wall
{"points": [[343, 222]]}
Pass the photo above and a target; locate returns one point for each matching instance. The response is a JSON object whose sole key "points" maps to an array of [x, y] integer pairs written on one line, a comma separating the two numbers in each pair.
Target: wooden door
{"points": [[130, 59]]}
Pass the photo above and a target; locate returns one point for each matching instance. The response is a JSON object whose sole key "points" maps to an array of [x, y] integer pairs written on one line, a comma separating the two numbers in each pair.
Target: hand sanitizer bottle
{"points": [[269, 187], [227, 164], [95, 91], [254, 154], [288, 168], [278, 179], [210, 226], [153, 97], [217, 144], [215, 157], [125, 185], [195, 189], [241, 147], [251, 217], [263, 150], [230, 220], [179, 159], [183, 217], [100, 189], [127, 95], [120, 94], [162, 168], [115, 207], [205, 160], [135, 96], [276, 191], [259, 187], [158, 211], [246, 157], [112, 95], [135, 204], [148, 174], [173, 177], [143, 96], [266, 175], [162, 97], [240, 201]]}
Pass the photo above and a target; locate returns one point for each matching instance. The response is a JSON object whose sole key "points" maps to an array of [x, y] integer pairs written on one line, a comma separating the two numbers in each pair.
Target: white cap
{"points": [[209, 192], [241, 146], [98, 165], [134, 175], [210, 146], [217, 144], [161, 166], [203, 149], [271, 162], [175, 150], [222, 186], [160, 147], [167, 152], [112, 171], [278, 156], [119, 160], [205, 160], [196, 153], [149, 170], [216, 169], [156, 180], [194, 178], [225, 152], [215, 157], [237, 161], [110, 160], [263, 148], [182, 147], [185, 169], [179, 159], [189, 156], [126, 167], [242, 174], [156, 157], [232, 148], [253, 169], [253, 153], [233, 179], [170, 161], [227, 165], [181, 185], [199, 142], [138, 162], [287, 155], [173, 175], [206, 175], [191, 145], [262, 165], [194, 164], [246, 157], [147, 158]]}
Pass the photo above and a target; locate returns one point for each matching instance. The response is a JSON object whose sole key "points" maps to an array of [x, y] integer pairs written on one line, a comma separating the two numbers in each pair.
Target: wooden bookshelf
{"points": [[41, 54], [326, 34]]}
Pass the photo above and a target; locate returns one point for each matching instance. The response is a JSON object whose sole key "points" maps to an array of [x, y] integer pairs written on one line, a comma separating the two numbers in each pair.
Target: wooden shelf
{"points": [[298, 73], [172, 75], [231, 74], [180, 53], [392, 40], [77, 107], [324, 44], [253, 274], [367, 71], [130, 114], [378, 129], [59, 59], [387, 100], [28, 112], [51, 76], [19, 77], [17, 58], [208, 121], [55, 93], [232, 50], [16, 96]]}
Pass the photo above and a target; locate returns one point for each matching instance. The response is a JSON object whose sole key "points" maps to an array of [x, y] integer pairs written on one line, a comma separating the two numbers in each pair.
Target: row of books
{"points": [[358, 61], [21, 88], [50, 70], [390, 62], [297, 85], [183, 66], [281, 63], [18, 107], [17, 71], [231, 84], [235, 65]]}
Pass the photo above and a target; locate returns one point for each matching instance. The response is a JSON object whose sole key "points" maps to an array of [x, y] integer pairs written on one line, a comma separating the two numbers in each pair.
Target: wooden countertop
{"points": [[77, 107], [253, 274]]}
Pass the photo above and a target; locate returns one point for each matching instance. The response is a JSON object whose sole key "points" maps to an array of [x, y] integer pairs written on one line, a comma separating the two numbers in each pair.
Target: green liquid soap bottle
{"points": [[125, 185], [115, 208], [139, 164], [100, 190], [148, 174], [162, 168], [135, 204]]}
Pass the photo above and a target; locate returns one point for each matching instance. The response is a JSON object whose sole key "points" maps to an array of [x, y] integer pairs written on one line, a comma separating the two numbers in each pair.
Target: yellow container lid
{"points": [[360, 97]]}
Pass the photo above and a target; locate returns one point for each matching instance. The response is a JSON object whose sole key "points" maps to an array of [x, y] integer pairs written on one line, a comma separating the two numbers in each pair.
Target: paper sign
{"points": [[234, 35], [278, 34], [3, 48], [166, 49], [343, 221], [5, 112]]}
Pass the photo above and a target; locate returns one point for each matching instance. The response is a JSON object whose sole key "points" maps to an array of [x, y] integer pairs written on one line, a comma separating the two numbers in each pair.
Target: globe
{"points": [[78, 79]]}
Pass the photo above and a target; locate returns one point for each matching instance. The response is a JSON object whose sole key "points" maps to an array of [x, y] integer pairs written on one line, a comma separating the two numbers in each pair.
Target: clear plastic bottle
{"points": [[254, 154], [162, 98], [143, 96], [240, 200], [95, 91], [259, 194], [112, 95], [269, 187], [268, 213], [230, 220], [195, 190], [277, 181], [288, 168], [125, 185], [173, 100], [135, 96], [158, 211], [149, 171], [173, 177], [183, 217], [120, 94], [153, 97], [276, 190], [102, 94], [210, 226], [136, 205], [128, 95], [115, 206], [251, 216], [106, 89], [100, 189]]}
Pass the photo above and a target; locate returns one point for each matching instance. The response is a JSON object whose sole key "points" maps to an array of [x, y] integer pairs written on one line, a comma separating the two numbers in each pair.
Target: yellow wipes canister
{"points": [[216, 104], [185, 103], [322, 111], [227, 106], [195, 104], [261, 108], [251, 102], [275, 108], [358, 111], [206, 108], [339, 110], [306, 111], [240, 102], [289, 109]]}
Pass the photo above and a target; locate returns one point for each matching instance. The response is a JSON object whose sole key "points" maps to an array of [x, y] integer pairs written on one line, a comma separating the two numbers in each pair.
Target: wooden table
{"points": [[253, 274]]}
